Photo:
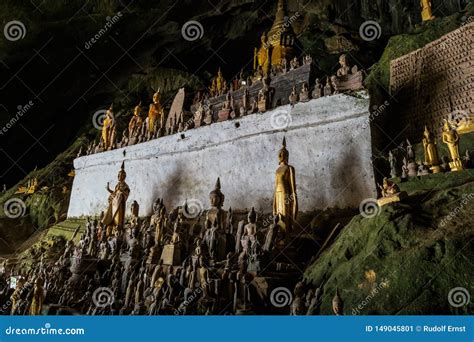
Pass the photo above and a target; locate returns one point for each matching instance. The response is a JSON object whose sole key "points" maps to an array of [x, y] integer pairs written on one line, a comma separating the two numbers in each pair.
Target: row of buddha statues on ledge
{"points": [[155, 124], [431, 164], [172, 263], [219, 86]]}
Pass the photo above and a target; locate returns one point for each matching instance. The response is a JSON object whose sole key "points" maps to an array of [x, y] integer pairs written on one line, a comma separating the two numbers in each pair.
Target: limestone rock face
{"points": [[406, 259]]}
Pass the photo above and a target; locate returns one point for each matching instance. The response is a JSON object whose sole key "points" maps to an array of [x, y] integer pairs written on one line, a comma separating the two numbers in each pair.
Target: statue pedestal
{"points": [[412, 169], [392, 199], [171, 255], [456, 165], [223, 115], [154, 256]]}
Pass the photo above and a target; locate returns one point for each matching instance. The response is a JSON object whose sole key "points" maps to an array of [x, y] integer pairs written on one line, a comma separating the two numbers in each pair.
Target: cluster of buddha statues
{"points": [[432, 162], [170, 263], [139, 128]]}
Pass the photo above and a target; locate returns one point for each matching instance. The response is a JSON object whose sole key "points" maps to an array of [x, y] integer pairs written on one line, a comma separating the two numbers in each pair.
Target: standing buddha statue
{"points": [[135, 124], [108, 130], [38, 297], [451, 138], [218, 85], [155, 118], [261, 58], [114, 217], [431, 152], [285, 202]]}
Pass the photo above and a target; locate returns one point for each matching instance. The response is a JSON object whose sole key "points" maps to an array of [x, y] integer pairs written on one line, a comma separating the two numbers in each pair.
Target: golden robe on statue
{"points": [[115, 214]]}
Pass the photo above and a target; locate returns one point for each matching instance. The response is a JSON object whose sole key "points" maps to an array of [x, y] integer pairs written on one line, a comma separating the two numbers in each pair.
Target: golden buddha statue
{"points": [[285, 202], [135, 124], [218, 85], [431, 152], [108, 130], [155, 118], [114, 217], [278, 43], [261, 58], [451, 138], [38, 297], [426, 12]]}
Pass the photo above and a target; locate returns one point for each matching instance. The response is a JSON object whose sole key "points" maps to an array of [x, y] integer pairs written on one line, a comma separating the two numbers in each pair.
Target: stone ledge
{"points": [[332, 163]]}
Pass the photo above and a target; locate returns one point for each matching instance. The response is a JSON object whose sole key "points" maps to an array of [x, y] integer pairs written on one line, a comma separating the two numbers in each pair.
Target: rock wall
{"points": [[435, 83], [328, 141]]}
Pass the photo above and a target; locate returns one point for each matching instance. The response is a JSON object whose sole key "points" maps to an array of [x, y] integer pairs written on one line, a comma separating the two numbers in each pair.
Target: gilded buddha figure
{"points": [[218, 85], [285, 202], [451, 138], [135, 124], [431, 152], [155, 118], [38, 297], [261, 58], [426, 11], [114, 217], [278, 44], [108, 130]]}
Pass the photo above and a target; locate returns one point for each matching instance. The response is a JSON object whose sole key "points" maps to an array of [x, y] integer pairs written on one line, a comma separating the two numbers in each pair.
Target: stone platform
{"points": [[328, 139]]}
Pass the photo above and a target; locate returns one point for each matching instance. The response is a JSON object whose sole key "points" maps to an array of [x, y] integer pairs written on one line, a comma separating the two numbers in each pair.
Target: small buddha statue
{"points": [[155, 118], [250, 230], [114, 217], [337, 304], [216, 199], [344, 68], [285, 202], [451, 139], [38, 297], [108, 130], [431, 152], [293, 98], [426, 10], [218, 85], [304, 93], [294, 64], [390, 193], [135, 124], [318, 89], [328, 87], [208, 114], [245, 102]]}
